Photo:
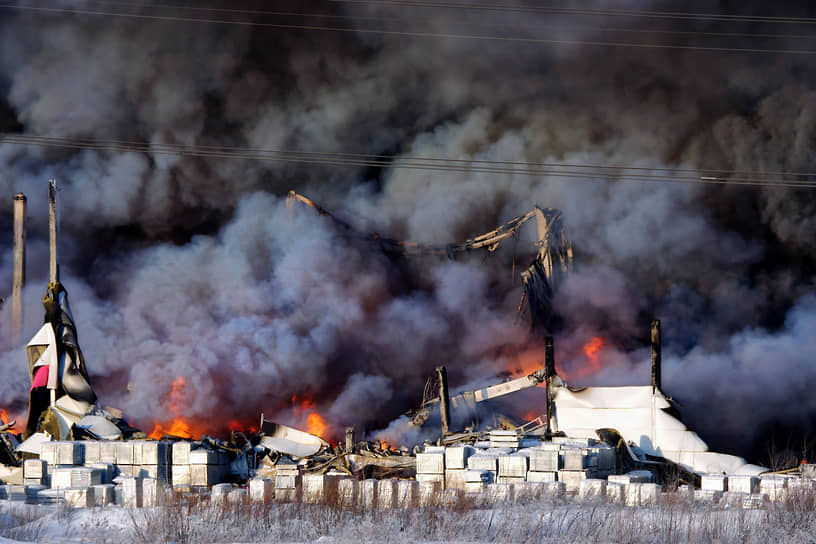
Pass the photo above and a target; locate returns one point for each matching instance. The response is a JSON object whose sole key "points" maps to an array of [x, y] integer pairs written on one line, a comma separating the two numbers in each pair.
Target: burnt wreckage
{"points": [[638, 424]]}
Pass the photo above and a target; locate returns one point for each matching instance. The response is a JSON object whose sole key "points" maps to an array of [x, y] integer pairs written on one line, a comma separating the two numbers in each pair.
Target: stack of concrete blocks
{"points": [[348, 492], [800, 488], [505, 439], [319, 488], [152, 459], [500, 493], [485, 462], [180, 474], [261, 490], [528, 492], [407, 493], [430, 467], [103, 494], [131, 492], [774, 486], [207, 467], [35, 472], [237, 496], [387, 493], [809, 471], [429, 494], [607, 459], [513, 468], [578, 464], [642, 494], [79, 497], [219, 492], [476, 481], [368, 494], [743, 484], [633, 477], [287, 482], [545, 462], [456, 463], [615, 492], [152, 492], [593, 489]]}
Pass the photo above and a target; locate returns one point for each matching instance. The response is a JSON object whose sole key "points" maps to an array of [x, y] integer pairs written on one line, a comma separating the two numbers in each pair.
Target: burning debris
{"points": [[619, 442]]}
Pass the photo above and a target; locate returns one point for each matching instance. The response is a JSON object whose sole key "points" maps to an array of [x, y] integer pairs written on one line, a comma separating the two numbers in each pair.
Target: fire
{"points": [[592, 351], [179, 426], [315, 424], [4, 415]]}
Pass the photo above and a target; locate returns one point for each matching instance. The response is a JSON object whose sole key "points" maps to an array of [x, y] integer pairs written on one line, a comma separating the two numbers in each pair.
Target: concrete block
{"points": [[85, 476], [36, 481], [544, 460], [755, 501], [527, 492], [533, 476], [743, 484], [124, 453], [93, 449], [607, 457], [288, 494], [107, 452], [480, 476], [714, 482], [483, 462], [131, 492], [347, 492], [513, 466], [79, 497], [704, 495], [48, 452], [261, 490], [575, 459], [641, 494], [61, 478], [773, 486], [286, 481], [219, 492], [202, 456], [180, 475], [157, 472], [70, 453], [181, 452], [35, 468], [152, 492], [368, 494], [509, 480], [572, 478], [809, 471], [319, 488], [387, 493], [429, 493], [32, 492], [569, 441], [500, 493], [430, 463], [108, 471], [456, 457], [455, 479], [407, 493], [51, 496], [153, 452], [475, 487], [103, 494], [450, 497], [592, 489], [436, 478], [205, 475], [237, 496], [636, 476], [127, 471], [615, 492]]}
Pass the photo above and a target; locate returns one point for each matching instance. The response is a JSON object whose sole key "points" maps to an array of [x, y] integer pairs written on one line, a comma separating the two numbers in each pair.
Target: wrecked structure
{"points": [[619, 442]]}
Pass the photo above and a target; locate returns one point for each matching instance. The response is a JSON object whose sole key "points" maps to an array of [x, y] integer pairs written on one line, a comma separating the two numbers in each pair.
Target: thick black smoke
{"points": [[193, 267]]}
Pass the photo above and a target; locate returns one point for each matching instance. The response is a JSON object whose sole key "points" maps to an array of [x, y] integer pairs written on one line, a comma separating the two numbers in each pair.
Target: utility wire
{"points": [[406, 33], [588, 11], [580, 171]]}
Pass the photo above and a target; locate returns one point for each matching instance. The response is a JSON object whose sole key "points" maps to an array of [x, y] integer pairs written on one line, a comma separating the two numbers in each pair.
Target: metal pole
{"points": [[549, 372], [349, 439], [19, 265], [657, 373], [444, 399], [53, 268]]}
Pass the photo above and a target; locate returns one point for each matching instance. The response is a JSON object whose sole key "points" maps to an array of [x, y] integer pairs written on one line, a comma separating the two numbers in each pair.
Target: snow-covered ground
{"points": [[556, 520]]}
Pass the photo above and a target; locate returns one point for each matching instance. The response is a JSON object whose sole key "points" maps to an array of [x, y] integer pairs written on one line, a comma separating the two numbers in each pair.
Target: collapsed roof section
{"points": [[642, 415]]}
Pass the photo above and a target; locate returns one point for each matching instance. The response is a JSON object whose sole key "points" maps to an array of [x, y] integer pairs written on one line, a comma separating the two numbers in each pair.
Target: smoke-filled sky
{"points": [[187, 266]]}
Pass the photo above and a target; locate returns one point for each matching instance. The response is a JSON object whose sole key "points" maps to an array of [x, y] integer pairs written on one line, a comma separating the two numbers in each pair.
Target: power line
{"points": [[589, 11], [588, 172], [406, 33]]}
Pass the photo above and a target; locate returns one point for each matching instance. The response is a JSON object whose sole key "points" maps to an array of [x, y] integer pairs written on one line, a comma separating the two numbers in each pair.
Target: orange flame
{"points": [[592, 351], [4, 415], [177, 425], [315, 424]]}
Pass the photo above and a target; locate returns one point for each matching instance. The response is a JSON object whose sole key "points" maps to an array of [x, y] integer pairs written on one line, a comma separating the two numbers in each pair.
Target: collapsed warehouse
{"points": [[625, 443]]}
